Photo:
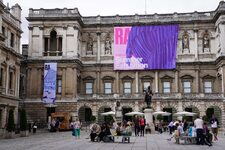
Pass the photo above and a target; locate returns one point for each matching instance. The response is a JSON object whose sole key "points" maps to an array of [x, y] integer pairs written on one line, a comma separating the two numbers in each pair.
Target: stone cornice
{"points": [[174, 18]]}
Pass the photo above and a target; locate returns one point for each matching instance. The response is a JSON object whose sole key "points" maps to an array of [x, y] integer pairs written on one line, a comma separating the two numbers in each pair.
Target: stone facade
{"points": [[83, 49], [10, 58]]}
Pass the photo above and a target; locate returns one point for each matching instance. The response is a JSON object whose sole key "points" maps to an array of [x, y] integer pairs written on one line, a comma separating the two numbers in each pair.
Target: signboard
{"points": [[145, 47], [49, 93]]}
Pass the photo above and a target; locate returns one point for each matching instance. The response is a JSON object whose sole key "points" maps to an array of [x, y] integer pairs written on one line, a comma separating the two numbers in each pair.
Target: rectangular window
{"points": [[59, 86], [127, 87], [10, 80], [166, 87], [1, 77], [89, 88], [46, 44], [12, 40], [187, 87], [108, 88], [60, 44], [208, 87], [146, 84]]}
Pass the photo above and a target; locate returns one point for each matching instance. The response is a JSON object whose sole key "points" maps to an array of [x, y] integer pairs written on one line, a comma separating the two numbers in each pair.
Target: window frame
{"points": [[88, 88], [187, 88], [210, 81], [169, 88], [107, 88], [124, 88]]}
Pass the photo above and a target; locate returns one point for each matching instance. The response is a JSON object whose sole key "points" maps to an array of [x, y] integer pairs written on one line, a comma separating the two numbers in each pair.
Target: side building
{"points": [[87, 83], [10, 58]]}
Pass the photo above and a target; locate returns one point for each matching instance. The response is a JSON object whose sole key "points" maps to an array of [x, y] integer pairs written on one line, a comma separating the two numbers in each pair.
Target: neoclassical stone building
{"points": [[87, 83], [10, 58]]}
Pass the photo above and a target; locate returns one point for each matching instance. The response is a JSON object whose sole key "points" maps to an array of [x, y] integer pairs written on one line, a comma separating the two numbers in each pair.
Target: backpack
{"points": [[142, 122]]}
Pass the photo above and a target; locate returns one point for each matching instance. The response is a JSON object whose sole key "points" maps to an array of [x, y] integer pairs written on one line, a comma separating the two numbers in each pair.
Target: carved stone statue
{"points": [[108, 48], [89, 47], [185, 42], [206, 43], [148, 96]]}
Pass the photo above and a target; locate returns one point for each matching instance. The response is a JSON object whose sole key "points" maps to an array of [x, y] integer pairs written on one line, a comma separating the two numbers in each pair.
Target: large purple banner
{"points": [[145, 47]]}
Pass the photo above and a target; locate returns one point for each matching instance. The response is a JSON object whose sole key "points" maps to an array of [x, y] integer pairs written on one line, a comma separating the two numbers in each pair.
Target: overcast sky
{"points": [[113, 7]]}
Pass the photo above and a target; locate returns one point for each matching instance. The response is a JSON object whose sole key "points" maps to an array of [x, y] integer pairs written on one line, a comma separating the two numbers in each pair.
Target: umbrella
{"points": [[134, 113], [184, 113], [108, 113], [163, 113]]}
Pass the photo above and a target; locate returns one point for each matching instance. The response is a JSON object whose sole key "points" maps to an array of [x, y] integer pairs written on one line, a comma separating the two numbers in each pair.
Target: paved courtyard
{"points": [[65, 141]]}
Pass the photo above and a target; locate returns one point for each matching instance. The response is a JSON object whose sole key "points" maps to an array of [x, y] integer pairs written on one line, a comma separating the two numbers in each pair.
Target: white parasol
{"points": [[134, 113], [184, 113], [163, 113], [108, 113]]}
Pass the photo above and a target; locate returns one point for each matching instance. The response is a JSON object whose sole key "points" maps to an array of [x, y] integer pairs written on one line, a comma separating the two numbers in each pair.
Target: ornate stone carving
{"points": [[206, 42], [185, 43], [108, 48]]}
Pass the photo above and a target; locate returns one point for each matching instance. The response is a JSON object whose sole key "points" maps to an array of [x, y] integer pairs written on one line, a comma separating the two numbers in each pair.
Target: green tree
{"points": [[11, 125], [159, 117], [23, 120]]}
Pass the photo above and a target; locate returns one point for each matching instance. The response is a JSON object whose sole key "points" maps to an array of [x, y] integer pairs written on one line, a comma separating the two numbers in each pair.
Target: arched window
{"points": [[53, 45], [53, 41]]}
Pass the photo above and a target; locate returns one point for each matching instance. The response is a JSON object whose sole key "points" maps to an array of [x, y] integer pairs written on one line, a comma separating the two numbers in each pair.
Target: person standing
{"points": [[77, 126], [199, 131], [34, 127], [214, 126], [136, 125], [142, 125]]}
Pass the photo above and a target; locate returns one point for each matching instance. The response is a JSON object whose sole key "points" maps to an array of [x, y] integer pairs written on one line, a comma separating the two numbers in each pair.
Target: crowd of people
{"points": [[198, 129]]}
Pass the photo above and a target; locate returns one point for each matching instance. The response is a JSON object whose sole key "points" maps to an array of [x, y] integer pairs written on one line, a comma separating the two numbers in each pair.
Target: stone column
{"points": [[17, 81], [222, 37], [98, 83], [39, 76], [136, 82], [117, 83], [28, 88], [64, 43], [30, 41], [99, 47], [7, 79], [196, 44], [156, 82], [222, 71], [41, 46], [64, 82], [4, 116], [75, 81], [197, 81], [76, 30], [176, 81]]}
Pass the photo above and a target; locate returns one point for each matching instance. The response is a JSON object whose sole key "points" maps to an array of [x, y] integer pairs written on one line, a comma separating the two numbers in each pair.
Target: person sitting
{"points": [[95, 131], [127, 131], [118, 129]]}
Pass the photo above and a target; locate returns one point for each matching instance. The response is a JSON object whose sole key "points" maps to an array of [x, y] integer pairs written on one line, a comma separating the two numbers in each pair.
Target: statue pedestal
{"points": [[149, 118]]}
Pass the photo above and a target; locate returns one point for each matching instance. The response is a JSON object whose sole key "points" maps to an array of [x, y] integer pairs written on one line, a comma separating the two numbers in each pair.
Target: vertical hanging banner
{"points": [[49, 93], [145, 47]]}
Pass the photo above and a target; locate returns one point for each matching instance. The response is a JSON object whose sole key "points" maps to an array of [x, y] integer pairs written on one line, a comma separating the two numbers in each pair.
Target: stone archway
{"points": [[126, 109], [102, 119], [193, 109], [85, 114], [171, 110], [214, 110]]}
